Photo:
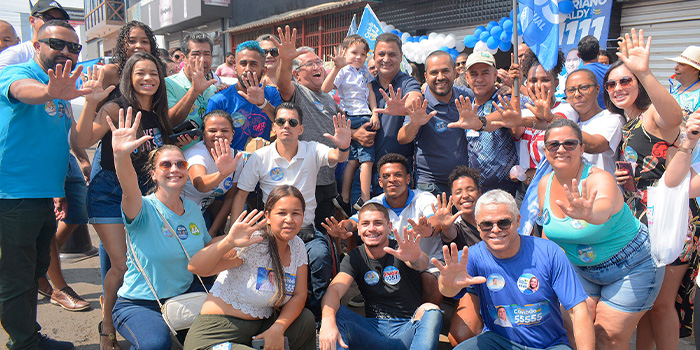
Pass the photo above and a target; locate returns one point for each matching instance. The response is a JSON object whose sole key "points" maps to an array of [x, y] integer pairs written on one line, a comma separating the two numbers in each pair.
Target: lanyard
{"points": [[686, 89]]}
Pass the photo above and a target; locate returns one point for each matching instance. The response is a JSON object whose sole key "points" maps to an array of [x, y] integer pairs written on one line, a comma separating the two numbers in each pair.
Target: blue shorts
{"points": [[357, 151], [629, 281], [76, 194], [105, 198]]}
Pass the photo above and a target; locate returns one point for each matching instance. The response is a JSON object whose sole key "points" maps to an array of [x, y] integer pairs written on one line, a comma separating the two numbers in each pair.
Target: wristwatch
{"points": [[483, 121]]}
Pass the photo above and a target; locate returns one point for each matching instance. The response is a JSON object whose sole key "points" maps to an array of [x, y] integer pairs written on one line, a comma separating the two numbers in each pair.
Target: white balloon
{"points": [[480, 46], [382, 24], [459, 46], [389, 28], [493, 52], [405, 36], [450, 41], [432, 36]]}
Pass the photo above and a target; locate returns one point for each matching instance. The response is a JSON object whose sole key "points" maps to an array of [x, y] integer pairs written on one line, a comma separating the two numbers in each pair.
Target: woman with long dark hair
{"points": [[142, 88], [132, 38]]}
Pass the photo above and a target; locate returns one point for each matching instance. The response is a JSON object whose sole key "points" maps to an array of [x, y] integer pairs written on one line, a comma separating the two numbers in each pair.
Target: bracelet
{"points": [[263, 105], [344, 149], [686, 149]]}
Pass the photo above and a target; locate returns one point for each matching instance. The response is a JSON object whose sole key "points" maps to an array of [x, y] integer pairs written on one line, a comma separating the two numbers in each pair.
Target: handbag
{"points": [[667, 218], [179, 311]]}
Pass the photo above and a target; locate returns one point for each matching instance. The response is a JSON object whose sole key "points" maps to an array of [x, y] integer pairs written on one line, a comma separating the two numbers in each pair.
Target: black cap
{"points": [[42, 6]]}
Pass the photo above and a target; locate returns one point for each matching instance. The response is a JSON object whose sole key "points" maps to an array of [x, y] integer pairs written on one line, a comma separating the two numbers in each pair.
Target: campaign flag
{"points": [[530, 208], [539, 20], [369, 27], [353, 27], [585, 18]]}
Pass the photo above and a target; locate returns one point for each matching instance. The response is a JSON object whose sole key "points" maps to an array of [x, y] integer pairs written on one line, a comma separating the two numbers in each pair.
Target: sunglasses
{"points": [[583, 89], [569, 145], [281, 121], [177, 57], [624, 82], [58, 45], [274, 52], [459, 64], [167, 165], [47, 18], [503, 224]]}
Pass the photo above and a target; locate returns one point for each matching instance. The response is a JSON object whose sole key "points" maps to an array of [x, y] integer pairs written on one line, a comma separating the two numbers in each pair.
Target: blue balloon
{"points": [[485, 35], [470, 41], [496, 31], [507, 25], [444, 48], [397, 32], [501, 21], [566, 7], [478, 31], [480, 28], [453, 51], [520, 30], [492, 43], [504, 46], [424, 37], [454, 55], [491, 25], [505, 37]]}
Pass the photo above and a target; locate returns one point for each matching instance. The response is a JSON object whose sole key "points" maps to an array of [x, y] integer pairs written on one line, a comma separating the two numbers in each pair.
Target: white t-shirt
{"points": [[200, 155], [19, 53], [608, 125], [271, 170], [531, 143]]}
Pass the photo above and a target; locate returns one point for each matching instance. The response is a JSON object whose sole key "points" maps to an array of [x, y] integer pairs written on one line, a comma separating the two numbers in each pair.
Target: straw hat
{"points": [[690, 56]]}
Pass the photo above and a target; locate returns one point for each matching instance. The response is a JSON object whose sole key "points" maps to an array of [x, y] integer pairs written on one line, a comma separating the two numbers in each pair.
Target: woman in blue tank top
{"points": [[584, 212]]}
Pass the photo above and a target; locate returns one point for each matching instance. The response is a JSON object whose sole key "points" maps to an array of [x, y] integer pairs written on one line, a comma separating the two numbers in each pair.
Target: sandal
{"points": [[111, 338]]}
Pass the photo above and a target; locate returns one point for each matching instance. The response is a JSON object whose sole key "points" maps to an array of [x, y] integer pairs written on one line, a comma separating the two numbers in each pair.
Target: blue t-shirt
{"points": [[532, 317], [248, 119], [493, 153], [440, 149], [599, 70], [33, 139], [159, 252], [385, 140]]}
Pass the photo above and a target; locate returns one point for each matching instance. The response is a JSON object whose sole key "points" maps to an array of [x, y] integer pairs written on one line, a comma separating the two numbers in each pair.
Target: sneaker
{"points": [[68, 299], [342, 205], [358, 205], [45, 288], [46, 343], [357, 301]]}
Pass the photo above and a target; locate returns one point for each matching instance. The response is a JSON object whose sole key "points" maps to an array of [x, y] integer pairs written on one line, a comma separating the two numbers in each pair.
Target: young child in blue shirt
{"points": [[351, 78]]}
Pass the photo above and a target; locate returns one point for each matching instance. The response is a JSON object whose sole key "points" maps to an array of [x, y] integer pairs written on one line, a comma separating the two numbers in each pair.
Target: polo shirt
{"points": [[177, 86], [268, 168]]}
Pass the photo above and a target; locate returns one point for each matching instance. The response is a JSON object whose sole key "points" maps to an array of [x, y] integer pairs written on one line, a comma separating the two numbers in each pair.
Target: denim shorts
{"points": [[104, 198], [76, 194], [629, 281], [357, 151]]}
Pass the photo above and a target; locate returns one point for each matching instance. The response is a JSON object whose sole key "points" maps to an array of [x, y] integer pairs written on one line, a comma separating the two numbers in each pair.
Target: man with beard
{"points": [[249, 104], [34, 131], [438, 148]]}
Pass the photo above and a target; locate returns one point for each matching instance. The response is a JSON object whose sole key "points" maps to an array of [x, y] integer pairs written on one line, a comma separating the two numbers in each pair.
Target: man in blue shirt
{"points": [[520, 282], [249, 104], [438, 148], [33, 165], [588, 49]]}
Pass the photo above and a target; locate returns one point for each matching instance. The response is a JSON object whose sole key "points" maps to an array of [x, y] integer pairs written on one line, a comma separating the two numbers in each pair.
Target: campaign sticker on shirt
{"points": [[528, 283], [182, 232], [495, 282], [218, 192], [62, 110], [586, 253], [194, 108], [472, 133], [371, 278], [194, 229], [440, 126], [391, 275], [578, 224], [228, 182], [165, 231], [238, 119], [545, 217], [50, 108], [202, 110], [222, 346], [528, 315], [276, 174], [319, 105]]}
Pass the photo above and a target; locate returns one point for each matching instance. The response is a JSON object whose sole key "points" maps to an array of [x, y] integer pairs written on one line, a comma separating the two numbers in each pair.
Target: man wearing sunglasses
{"points": [[42, 11], [37, 119], [461, 69], [500, 269], [249, 103]]}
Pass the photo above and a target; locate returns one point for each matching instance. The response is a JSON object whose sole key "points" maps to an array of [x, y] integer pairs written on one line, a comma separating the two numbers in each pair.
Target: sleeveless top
{"points": [[587, 244]]}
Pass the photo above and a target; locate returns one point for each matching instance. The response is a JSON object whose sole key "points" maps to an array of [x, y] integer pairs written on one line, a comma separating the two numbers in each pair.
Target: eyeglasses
{"points": [[167, 165], [274, 52], [312, 64], [281, 121], [553, 145], [58, 45], [176, 56], [624, 82], [503, 224], [583, 89], [459, 64]]}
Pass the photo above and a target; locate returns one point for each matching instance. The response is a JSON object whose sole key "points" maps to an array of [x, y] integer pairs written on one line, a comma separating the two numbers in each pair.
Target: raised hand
{"points": [[505, 78], [221, 152], [580, 206], [510, 113], [199, 76], [287, 45], [241, 232], [422, 226], [395, 104], [454, 275], [515, 70], [417, 112], [339, 59], [124, 139], [443, 211], [634, 53], [692, 126], [409, 249], [541, 105], [93, 81], [254, 92], [62, 82], [343, 133], [335, 228], [468, 115]]}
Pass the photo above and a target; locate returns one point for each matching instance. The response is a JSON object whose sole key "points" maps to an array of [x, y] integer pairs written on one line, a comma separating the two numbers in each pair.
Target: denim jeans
{"points": [[26, 229], [76, 194], [320, 267], [397, 333], [141, 324], [492, 341], [435, 188]]}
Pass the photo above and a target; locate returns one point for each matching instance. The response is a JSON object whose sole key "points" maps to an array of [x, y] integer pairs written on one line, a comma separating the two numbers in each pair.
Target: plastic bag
{"points": [[667, 217]]}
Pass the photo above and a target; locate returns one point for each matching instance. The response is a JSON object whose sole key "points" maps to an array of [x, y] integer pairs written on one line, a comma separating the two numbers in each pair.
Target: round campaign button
{"points": [[182, 232], [528, 283], [371, 278], [440, 126], [391, 275], [276, 174], [238, 119], [545, 217], [495, 282], [194, 228], [586, 253], [578, 224]]}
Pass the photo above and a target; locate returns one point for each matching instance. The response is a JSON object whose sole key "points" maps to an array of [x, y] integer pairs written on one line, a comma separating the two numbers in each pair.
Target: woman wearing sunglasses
{"points": [[160, 227], [142, 87], [584, 212], [272, 60], [653, 120]]}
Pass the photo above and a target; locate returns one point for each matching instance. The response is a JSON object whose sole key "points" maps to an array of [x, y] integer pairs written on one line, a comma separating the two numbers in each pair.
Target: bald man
{"points": [[8, 36]]}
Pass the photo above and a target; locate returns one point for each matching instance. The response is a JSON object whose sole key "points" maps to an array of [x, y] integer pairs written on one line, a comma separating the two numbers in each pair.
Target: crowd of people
{"points": [[411, 191]]}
